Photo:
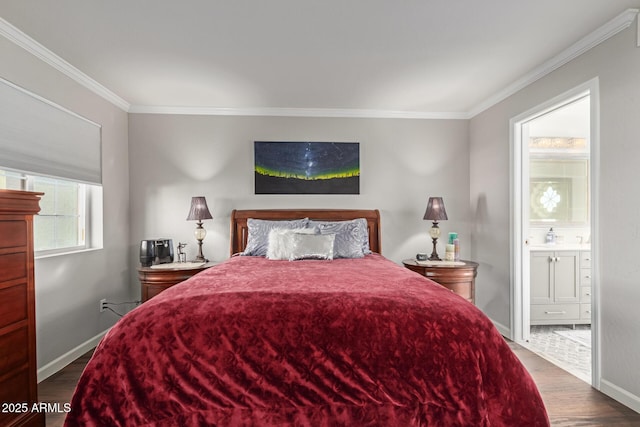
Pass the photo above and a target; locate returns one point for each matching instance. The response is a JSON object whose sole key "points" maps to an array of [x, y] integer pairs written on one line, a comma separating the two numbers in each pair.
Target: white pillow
{"points": [[299, 244], [280, 241], [312, 246]]}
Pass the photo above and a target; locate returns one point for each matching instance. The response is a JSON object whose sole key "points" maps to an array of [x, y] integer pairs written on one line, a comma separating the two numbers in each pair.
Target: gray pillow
{"points": [[352, 237], [258, 238]]}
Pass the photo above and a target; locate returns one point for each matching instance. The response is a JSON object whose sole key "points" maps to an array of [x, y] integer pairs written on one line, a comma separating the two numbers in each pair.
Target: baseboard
{"points": [[504, 330], [58, 364], [621, 395]]}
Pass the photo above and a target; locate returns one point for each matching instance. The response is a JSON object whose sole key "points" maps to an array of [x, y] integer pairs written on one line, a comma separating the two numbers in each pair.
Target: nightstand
{"points": [[460, 279], [155, 280]]}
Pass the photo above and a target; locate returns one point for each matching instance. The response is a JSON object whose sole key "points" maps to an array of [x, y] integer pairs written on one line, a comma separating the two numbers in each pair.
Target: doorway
{"points": [[554, 211]]}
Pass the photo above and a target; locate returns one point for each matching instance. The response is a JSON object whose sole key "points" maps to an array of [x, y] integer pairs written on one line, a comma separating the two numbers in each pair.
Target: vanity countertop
{"points": [[561, 247]]}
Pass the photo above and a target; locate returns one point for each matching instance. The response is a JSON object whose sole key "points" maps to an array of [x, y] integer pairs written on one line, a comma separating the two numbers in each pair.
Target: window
{"points": [[559, 190], [47, 148], [63, 223]]}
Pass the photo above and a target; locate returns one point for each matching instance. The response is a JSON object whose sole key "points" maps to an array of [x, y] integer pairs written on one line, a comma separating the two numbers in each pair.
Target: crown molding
{"points": [[608, 30], [16, 36], [295, 112]]}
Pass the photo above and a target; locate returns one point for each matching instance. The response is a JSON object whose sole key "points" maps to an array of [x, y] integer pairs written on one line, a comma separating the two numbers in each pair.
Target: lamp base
{"points": [[200, 257], [434, 254]]}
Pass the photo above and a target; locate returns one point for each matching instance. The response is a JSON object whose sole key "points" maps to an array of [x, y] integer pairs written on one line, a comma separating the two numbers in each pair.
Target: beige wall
{"points": [[402, 162], [616, 63], [68, 287]]}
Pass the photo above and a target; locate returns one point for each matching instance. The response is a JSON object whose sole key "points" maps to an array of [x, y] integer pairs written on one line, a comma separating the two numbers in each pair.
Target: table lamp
{"points": [[199, 211], [435, 212]]}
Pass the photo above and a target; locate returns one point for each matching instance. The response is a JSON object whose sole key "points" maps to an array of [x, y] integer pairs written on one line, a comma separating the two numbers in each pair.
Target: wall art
{"points": [[307, 167]]}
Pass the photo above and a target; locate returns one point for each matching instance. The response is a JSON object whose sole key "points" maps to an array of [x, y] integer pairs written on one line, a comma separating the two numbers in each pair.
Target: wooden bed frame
{"points": [[239, 218]]}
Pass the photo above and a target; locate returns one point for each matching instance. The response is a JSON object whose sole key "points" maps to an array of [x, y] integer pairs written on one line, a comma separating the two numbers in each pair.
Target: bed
{"points": [[315, 342]]}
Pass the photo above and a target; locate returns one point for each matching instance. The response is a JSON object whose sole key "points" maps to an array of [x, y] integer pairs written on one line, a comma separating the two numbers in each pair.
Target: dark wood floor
{"points": [[58, 388], [570, 402]]}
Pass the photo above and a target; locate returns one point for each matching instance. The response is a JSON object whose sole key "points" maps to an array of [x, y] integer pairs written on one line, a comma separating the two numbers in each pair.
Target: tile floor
{"points": [[570, 355]]}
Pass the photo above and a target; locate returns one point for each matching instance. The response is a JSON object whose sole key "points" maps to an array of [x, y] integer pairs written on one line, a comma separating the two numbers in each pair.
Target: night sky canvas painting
{"points": [[307, 167]]}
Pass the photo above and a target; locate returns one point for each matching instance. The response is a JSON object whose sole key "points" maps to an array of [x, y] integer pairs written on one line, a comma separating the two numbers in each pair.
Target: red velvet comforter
{"points": [[254, 342]]}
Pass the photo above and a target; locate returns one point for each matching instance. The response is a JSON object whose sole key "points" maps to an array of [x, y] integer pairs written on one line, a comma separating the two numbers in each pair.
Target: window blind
{"points": [[40, 137]]}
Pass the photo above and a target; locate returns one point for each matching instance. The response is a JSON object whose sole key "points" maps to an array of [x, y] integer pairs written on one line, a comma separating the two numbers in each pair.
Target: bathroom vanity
{"points": [[560, 284]]}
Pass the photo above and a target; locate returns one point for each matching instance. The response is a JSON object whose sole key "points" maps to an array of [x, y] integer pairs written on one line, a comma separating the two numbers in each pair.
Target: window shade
{"points": [[40, 137]]}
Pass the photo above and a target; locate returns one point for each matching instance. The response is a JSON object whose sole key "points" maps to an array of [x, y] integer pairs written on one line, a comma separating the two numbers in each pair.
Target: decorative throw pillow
{"points": [[258, 229], [352, 237], [312, 246], [281, 241]]}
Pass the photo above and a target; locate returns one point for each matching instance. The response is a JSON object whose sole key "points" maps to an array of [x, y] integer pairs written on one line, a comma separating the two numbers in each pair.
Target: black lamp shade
{"points": [[199, 209], [435, 210]]}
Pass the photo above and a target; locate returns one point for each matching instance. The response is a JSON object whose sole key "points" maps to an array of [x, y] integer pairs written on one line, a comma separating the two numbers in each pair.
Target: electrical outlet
{"points": [[103, 304]]}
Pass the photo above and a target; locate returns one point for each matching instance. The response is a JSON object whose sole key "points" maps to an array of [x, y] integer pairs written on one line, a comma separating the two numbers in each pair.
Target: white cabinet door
{"points": [[541, 277], [566, 267]]}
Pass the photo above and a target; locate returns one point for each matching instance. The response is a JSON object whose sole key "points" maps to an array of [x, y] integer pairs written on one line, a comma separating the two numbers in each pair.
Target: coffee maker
{"points": [[156, 251]]}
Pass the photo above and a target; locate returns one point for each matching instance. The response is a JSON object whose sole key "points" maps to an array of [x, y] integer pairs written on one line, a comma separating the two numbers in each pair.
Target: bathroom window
{"points": [[559, 191]]}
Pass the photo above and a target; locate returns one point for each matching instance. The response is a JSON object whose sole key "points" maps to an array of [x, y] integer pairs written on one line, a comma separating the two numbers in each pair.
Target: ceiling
{"points": [[420, 57]]}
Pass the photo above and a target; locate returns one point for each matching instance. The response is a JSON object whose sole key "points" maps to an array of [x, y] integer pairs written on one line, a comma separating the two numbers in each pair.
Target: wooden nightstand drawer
{"points": [[462, 289], [154, 281], [458, 278], [150, 291]]}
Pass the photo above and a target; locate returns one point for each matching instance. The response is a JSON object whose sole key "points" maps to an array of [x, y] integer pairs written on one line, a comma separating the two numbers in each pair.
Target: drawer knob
{"points": [[555, 312]]}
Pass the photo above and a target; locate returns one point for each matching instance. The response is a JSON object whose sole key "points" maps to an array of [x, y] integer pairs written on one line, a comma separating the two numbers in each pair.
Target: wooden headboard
{"points": [[239, 218]]}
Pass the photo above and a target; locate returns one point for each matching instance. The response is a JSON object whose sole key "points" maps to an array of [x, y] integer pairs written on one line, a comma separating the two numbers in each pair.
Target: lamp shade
{"points": [[435, 210], [199, 209]]}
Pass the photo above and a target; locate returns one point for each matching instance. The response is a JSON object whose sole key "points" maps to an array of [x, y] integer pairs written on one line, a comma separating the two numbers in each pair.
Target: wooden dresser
{"points": [[18, 382]]}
